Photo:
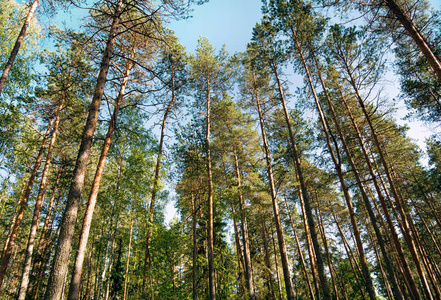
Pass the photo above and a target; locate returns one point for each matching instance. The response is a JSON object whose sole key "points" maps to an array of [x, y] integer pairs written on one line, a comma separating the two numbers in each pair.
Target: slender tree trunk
{"points": [[17, 45], [269, 279], [244, 225], [350, 256], [10, 243], [337, 164], [407, 23], [195, 250], [325, 245], [403, 260], [311, 253], [386, 282], [44, 264], [210, 240], [366, 201], [279, 282], [241, 259], [126, 276], [67, 225], [406, 226], [37, 209], [147, 259], [89, 273], [74, 288], [302, 260], [279, 228]]}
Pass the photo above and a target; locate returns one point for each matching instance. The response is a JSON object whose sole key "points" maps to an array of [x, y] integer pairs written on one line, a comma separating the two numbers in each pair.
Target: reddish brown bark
{"points": [[67, 225], [74, 288]]}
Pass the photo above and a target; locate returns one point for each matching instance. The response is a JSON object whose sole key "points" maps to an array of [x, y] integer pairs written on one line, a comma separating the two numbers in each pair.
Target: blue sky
{"points": [[228, 22]]}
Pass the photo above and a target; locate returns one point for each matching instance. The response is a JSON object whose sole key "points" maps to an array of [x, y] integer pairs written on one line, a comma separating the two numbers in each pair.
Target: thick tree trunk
{"points": [[37, 209], [74, 288], [10, 242], [67, 225], [407, 23], [279, 228], [17, 45]]}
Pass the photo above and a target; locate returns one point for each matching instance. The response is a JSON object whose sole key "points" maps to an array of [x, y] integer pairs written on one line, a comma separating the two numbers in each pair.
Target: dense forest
{"points": [[286, 164]]}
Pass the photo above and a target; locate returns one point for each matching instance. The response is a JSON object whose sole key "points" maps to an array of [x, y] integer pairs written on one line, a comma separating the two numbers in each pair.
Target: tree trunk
{"points": [[195, 250], [147, 259], [269, 279], [241, 259], [337, 164], [407, 23], [74, 288], [406, 226], [37, 209], [403, 260], [17, 45], [210, 227], [311, 253], [366, 201], [67, 225], [10, 243], [325, 245], [302, 260], [128, 257], [350, 256], [279, 282], [245, 239], [279, 228]]}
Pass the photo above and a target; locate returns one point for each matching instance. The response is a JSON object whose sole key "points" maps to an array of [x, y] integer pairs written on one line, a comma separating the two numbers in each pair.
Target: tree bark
{"points": [[38, 204], [74, 288], [67, 225], [406, 227], [337, 164], [210, 227], [147, 259], [302, 260], [244, 226], [17, 44], [128, 257], [407, 23], [279, 228], [391, 226]]}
